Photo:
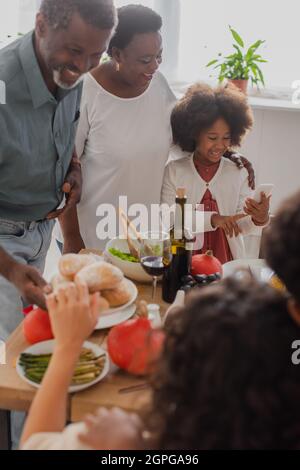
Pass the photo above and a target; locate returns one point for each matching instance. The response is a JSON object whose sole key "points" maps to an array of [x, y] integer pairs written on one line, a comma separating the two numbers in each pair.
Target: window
{"points": [[204, 33], [195, 31]]}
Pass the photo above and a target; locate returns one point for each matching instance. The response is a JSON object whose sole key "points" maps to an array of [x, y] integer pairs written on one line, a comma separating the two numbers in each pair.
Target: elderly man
{"points": [[42, 73]]}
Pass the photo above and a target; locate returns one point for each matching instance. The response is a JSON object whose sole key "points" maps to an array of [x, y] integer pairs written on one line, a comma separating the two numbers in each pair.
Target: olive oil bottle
{"points": [[182, 247]]}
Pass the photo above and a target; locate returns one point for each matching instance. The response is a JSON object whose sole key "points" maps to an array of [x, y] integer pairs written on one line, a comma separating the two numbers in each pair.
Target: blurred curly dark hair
{"points": [[99, 13], [201, 106], [134, 19], [281, 244], [226, 379]]}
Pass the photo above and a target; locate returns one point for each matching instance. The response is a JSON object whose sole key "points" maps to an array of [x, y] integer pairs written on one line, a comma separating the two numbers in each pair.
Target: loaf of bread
{"points": [[59, 282], [70, 264], [118, 296], [100, 276], [103, 305], [92, 251]]}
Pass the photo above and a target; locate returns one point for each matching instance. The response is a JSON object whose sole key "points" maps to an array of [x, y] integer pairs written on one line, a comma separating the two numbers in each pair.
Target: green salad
{"points": [[123, 256], [157, 250]]}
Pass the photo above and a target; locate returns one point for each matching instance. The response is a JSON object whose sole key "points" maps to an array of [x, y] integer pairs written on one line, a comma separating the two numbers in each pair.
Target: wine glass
{"points": [[155, 255]]}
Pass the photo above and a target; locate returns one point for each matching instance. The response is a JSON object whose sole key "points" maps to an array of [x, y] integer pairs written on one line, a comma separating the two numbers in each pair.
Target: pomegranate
{"points": [[37, 327], [135, 346], [205, 264]]}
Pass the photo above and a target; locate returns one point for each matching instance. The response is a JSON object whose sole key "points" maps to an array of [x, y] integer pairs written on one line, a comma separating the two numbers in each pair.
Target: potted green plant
{"points": [[241, 65]]}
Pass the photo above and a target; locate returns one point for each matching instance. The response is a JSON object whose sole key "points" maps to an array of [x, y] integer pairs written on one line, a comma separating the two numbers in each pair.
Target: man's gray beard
{"points": [[60, 84]]}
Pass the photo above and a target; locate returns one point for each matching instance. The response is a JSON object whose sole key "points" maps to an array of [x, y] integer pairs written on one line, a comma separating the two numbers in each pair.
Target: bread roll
{"points": [[92, 251], [97, 258], [118, 296], [59, 282], [70, 264], [103, 305], [100, 276]]}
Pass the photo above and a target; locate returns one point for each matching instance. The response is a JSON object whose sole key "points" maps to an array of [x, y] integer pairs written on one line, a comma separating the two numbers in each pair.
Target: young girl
{"points": [[206, 123], [226, 379]]}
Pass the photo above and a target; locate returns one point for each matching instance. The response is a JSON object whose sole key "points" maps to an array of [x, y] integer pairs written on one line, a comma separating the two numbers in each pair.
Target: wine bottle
{"points": [[182, 247]]}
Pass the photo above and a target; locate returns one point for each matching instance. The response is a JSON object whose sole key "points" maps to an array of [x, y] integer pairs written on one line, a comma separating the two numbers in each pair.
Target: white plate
{"points": [[257, 267], [46, 347], [115, 318], [134, 292]]}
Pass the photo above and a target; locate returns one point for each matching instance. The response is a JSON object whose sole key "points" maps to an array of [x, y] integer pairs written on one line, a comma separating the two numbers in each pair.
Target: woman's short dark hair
{"points": [[282, 244], [226, 379], [99, 13], [201, 106], [134, 19]]}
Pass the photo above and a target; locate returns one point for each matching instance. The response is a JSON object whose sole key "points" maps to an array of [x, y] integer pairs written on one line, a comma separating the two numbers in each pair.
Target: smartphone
{"points": [[262, 188]]}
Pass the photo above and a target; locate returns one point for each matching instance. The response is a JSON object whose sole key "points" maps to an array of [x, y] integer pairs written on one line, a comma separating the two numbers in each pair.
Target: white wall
{"points": [[17, 16], [28, 9], [274, 149], [204, 33], [9, 20]]}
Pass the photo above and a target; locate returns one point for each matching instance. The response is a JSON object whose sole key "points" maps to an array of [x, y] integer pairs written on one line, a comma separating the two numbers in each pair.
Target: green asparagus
{"points": [[88, 367]]}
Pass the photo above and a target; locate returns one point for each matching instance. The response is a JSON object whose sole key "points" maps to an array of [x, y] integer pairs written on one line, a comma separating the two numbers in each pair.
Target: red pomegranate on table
{"points": [[37, 326], [206, 264], [135, 346]]}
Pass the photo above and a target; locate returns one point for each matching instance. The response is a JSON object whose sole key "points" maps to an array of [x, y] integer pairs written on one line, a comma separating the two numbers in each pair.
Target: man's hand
{"points": [[72, 188], [30, 283], [227, 223]]}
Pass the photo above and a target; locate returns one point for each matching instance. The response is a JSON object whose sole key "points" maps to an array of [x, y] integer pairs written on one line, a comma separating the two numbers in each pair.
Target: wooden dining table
{"points": [[117, 389]]}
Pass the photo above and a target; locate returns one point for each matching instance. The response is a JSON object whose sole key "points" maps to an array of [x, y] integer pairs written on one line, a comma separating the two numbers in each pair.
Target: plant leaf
{"points": [[237, 37], [249, 54], [212, 62], [239, 52], [254, 71], [256, 45], [261, 76]]}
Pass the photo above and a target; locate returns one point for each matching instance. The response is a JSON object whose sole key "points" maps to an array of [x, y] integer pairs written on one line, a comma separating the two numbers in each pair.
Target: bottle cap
{"points": [[153, 308], [154, 315], [181, 192]]}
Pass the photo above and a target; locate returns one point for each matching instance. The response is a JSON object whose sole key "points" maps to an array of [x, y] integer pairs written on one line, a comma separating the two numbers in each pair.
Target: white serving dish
{"points": [[46, 347], [131, 270]]}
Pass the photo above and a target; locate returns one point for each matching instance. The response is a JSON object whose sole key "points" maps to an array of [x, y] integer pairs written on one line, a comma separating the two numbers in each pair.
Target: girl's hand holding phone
{"points": [[259, 211]]}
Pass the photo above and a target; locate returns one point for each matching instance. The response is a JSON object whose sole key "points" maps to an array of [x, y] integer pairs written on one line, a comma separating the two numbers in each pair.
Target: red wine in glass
{"points": [[153, 265], [155, 255]]}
